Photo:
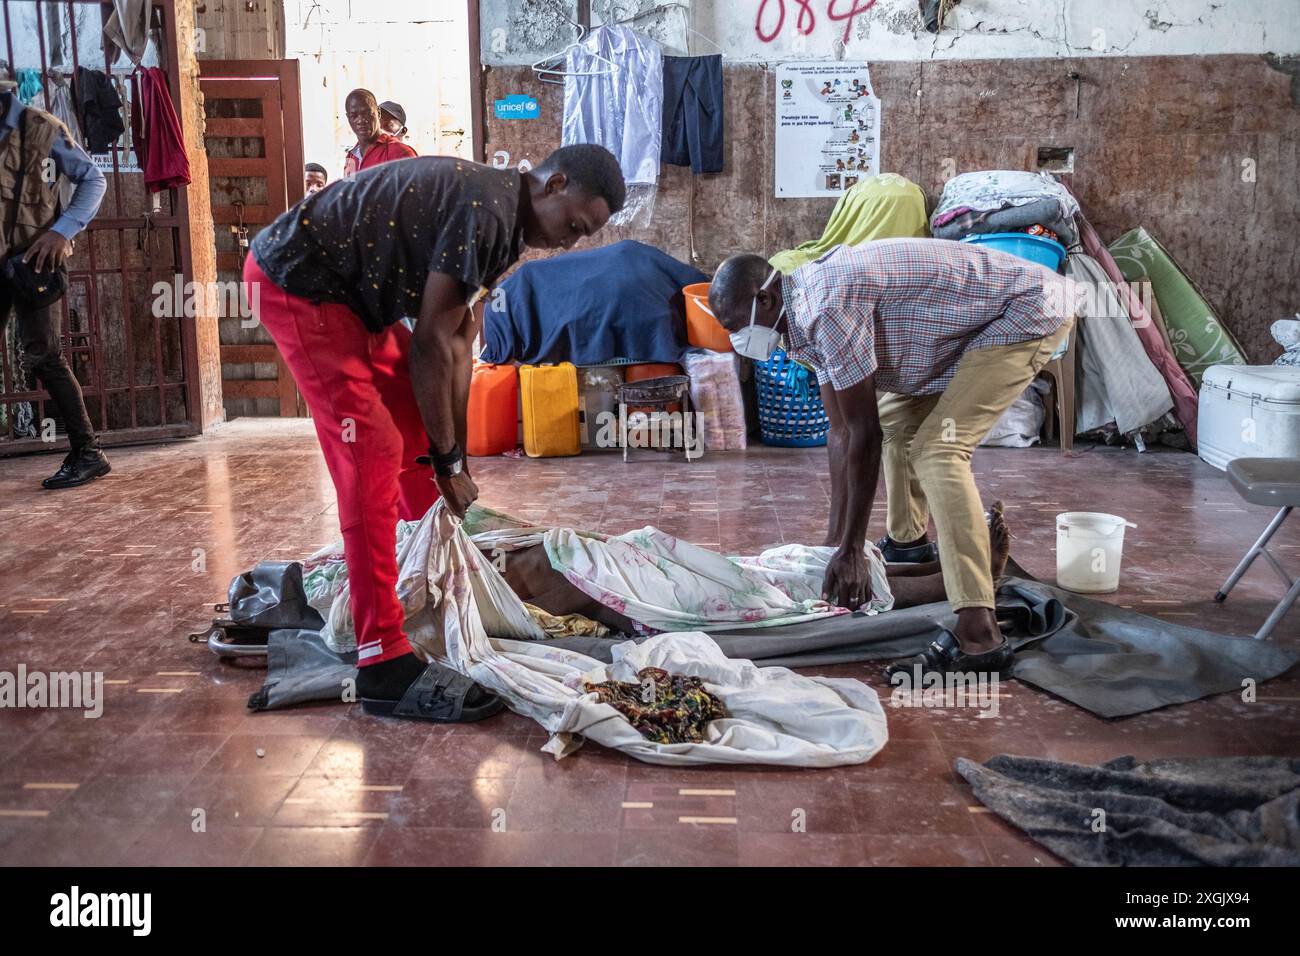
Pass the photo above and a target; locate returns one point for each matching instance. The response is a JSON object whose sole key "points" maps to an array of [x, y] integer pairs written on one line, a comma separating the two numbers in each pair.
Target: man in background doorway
{"points": [[393, 119], [314, 178], [373, 145]]}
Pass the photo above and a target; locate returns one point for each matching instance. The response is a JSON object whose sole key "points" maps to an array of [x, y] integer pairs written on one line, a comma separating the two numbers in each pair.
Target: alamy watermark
{"points": [[224, 298], [76, 690], [953, 689]]}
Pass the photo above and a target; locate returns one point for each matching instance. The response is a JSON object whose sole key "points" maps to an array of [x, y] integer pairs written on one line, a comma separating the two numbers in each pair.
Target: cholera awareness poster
{"points": [[827, 128]]}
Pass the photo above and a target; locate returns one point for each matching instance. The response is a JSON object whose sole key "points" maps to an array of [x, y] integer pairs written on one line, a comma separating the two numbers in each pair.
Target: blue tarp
{"points": [[622, 301]]}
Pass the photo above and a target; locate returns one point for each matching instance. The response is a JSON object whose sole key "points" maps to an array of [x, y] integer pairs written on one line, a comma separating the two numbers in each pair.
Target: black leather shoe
{"points": [[944, 655], [920, 554], [79, 468]]}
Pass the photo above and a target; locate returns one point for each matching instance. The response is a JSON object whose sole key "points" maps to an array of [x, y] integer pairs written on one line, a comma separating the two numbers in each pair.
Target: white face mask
{"points": [[758, 342]]}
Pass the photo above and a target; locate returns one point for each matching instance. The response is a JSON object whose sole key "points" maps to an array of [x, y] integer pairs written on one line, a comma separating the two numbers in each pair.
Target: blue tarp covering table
{"points": [[619, 302]]}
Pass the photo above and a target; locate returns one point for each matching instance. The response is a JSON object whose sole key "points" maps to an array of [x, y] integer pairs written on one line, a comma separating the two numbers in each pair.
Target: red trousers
{"points": [[358, 387]]}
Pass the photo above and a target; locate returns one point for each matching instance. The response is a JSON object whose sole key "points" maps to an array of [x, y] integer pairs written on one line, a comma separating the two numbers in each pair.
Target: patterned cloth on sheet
{"points": [[663, 707]]}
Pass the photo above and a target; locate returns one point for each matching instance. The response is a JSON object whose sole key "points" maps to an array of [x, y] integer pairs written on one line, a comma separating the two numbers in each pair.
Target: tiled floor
{"points": [[114, 576]]}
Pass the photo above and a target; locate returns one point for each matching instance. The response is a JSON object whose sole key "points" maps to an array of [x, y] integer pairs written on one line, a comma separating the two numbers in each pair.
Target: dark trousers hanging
{"points": [[692, 118]]}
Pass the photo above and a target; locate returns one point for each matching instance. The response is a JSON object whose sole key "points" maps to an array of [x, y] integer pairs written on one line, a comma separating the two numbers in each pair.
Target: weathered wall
{"points": [[1159, 142], [516, 32]]}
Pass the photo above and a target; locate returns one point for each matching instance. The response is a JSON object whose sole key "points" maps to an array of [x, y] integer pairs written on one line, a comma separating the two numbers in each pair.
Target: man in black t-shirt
{"points": [[331, 278]]}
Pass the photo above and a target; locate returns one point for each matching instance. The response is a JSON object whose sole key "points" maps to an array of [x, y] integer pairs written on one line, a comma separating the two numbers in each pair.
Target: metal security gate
{"points": [[138, 371], [253, 138]]}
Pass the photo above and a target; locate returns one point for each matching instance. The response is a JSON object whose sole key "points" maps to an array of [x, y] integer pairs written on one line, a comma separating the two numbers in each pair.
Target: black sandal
{"points": [[438, 695], [944, 654], [918, 554]]}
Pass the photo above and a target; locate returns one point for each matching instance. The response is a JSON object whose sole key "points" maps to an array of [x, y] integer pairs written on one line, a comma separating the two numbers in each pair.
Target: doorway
{"points": [[417, 54]]}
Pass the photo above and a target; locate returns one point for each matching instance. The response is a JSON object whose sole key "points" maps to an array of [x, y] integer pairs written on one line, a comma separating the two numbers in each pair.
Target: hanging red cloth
{"points": [[156, 132]]}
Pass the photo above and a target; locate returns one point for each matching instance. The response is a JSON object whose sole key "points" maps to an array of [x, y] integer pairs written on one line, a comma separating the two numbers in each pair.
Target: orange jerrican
{"points": [[492, 420]]}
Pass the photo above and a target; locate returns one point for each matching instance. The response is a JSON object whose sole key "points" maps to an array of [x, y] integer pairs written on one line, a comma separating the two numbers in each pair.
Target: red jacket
{"points": [[384, 149]]}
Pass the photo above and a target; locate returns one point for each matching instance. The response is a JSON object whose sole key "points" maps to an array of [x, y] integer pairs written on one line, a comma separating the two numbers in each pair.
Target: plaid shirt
{"points": [[906, 310]]}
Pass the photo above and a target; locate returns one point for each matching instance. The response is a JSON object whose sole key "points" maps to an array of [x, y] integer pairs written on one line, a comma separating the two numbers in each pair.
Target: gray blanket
{"points": [[1117, 382], [1109, 660], [1212, 811]]}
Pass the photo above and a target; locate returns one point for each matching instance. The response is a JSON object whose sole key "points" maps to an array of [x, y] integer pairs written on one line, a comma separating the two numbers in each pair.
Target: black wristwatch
{"points": [[449, 463]]}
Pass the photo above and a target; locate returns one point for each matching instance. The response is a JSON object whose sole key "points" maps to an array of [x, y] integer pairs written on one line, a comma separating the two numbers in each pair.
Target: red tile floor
{"points": [[112, 577]]}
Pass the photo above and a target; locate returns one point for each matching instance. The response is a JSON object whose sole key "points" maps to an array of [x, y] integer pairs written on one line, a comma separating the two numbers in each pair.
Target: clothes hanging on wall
{"points": [[619, 107], [98, 107], [29, 85], [59, 105], [128, 27], [156, 132], [693, 112]]}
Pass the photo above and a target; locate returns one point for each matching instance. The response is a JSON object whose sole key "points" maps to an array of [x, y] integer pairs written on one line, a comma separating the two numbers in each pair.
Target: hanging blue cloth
{"points": [[29, 85]]}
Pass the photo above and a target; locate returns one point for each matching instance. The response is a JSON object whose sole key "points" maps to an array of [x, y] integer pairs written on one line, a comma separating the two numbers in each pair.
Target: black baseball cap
{"points": [[394, 110]]}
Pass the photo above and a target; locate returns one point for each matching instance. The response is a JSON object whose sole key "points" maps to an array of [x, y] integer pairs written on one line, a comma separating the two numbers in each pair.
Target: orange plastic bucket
{"points": [[703, 330], [492, 419]]}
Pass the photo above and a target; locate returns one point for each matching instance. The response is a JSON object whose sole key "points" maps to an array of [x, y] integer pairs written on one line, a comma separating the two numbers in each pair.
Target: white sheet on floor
{"points": [[775, 716]]}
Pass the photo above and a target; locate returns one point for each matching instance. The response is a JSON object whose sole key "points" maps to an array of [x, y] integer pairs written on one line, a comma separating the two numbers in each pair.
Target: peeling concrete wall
{"points": [[520, 31]]}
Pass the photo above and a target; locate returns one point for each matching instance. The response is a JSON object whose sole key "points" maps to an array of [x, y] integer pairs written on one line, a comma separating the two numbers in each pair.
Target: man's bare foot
{"points": [[999, 540]]}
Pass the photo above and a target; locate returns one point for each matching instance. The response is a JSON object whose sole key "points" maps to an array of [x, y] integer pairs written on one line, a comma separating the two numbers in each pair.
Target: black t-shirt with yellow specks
{"points": [[370, 242]]}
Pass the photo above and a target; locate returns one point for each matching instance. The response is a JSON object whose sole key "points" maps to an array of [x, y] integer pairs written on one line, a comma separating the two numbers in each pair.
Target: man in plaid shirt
{"points": [[920, 346]]}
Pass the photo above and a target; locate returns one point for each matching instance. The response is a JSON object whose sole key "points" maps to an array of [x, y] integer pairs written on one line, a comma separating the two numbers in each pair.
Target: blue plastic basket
{"points": [[790, 410], [1040, 249]]}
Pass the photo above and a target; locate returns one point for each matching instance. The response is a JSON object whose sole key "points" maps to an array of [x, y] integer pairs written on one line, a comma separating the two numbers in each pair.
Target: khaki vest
{"points": [[38, 206]]}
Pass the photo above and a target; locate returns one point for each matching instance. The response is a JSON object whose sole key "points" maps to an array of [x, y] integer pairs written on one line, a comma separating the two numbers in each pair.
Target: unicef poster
{"points": [[827, 128]]}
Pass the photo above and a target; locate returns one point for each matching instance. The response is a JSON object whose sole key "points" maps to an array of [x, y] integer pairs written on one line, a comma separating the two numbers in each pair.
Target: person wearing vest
{"points": [[373, 145], [38, 146]]}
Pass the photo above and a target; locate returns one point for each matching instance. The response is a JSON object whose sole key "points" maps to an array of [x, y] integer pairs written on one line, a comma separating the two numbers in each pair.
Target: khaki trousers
{"points": [[928, 443]]}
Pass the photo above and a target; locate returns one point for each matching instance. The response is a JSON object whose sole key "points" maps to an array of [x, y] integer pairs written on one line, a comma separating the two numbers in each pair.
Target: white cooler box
{"points": [[1248, 411]]}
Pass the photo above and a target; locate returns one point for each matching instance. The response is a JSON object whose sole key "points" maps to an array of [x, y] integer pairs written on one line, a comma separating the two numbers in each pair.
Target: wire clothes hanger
{"points": [[545, 73]]}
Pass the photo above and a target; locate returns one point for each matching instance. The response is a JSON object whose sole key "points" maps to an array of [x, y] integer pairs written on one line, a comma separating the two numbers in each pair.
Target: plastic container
{"points": [[550, 400], [1038, 249], [1089, 547], [1248, 411], [790, 409], [597, 398], [492, 423], [703, 330]]}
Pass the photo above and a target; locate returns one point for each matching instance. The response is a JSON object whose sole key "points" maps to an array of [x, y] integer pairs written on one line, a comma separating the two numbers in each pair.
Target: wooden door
{"points": [[255, 158]]}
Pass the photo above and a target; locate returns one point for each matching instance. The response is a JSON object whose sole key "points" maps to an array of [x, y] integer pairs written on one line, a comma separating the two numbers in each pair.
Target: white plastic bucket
{"points": [[1089, 546]]}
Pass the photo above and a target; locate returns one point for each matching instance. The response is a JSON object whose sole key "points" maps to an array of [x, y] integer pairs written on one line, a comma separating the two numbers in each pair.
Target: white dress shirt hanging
{"points": [[620, 109]]}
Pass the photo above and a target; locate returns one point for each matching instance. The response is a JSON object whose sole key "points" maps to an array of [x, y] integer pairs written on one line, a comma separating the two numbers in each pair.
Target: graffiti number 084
{"points": [[806, 19]]}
